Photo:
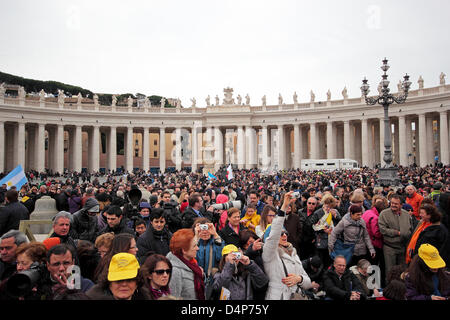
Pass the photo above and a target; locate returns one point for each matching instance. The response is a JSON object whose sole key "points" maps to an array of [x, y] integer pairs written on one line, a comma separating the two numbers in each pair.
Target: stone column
{"points": [[129, 150], [194, 144], [314, 141], [146, 149], [39, 149], [402, 146], [297, 147], [2, 145], [430, 139], [281, 148], [20, 145], [218, 148], [59, 149], [422, 140], [364, 143], [408, 134], [251, 148], [78, 149], [241, 147], [178, 159], [266, 162], [112, 149], [347, 154], [162, 149], [443, 133], [331, 146]]}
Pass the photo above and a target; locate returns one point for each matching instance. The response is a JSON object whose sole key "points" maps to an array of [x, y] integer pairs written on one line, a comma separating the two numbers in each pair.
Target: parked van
{"points": [[328, 164]]}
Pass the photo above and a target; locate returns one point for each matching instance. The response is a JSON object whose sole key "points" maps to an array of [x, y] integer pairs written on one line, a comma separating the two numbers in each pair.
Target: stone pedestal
{"points": [[45, 209]]}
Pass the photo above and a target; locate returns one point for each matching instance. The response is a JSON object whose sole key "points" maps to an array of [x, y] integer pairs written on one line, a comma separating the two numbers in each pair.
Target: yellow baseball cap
{"points": [[123, 266], [430, 255], [229, 249]]}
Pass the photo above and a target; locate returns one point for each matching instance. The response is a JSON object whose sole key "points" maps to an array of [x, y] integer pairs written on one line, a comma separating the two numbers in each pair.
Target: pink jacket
{"points": [[371, 219]]}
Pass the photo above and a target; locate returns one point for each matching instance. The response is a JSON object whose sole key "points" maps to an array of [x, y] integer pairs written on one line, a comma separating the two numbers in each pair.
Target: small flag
{"points": [[211, 176], [230, 173], [15, 178]]}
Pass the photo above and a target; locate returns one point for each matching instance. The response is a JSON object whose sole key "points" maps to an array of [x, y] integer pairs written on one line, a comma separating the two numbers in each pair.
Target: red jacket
{"points": [[371, 219], [415, 202]]}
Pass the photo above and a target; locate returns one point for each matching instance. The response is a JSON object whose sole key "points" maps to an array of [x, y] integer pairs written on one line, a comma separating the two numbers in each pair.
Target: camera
{"points": [[203, 226], [23, 282], [296, 194], [237, 255], [227, 205]]}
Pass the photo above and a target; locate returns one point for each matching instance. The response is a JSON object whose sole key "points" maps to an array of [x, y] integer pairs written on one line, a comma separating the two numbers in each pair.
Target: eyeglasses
{"points": [[271, 215], [162, 271], [311, 203], [284, 233]]}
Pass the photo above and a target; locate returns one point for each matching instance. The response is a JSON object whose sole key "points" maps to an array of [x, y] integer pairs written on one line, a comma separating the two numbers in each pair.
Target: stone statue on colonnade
{"points": [[420, 82], [442, 79], [247, 100], [208, 101]]}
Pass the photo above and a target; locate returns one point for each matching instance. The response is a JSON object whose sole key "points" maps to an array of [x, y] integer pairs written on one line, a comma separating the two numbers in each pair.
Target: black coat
{"points": [[10, 216], [120, 228], [84, 226], [151, 242], [229, 236], [189, 216], [341, 288], [294, 226], [437, 236]]}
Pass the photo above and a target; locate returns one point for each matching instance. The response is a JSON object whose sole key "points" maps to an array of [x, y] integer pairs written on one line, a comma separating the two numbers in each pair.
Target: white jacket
{"points": [[273, 266]]}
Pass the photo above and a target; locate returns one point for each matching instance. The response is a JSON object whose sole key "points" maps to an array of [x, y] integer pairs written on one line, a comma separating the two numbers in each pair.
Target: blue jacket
{"points": [[203, 253]]}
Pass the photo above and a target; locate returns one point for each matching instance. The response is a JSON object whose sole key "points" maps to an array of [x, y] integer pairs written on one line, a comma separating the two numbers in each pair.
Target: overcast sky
{"points": [[185, 49]]}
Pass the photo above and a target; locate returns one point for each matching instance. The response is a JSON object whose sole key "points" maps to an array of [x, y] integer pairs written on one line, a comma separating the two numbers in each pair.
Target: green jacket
{"points": [[390, 223]]}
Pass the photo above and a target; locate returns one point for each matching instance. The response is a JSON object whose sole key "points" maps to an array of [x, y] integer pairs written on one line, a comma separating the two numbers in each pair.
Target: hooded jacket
{"points": [[352, 232], [83, 225]]}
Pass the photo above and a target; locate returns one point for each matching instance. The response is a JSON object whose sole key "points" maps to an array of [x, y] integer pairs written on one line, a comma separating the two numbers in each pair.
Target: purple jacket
{"points": [[413, 294], [371, 219]]}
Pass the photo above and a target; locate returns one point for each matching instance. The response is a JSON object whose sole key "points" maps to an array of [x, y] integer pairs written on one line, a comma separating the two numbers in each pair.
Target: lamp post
{"points": [[388, 174]]}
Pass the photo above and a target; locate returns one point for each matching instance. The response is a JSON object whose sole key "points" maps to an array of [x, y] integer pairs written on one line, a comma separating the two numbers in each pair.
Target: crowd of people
{"points": [[286, 235]]}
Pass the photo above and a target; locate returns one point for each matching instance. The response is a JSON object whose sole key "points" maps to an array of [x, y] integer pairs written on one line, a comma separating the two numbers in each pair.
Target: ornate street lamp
{"points": [[388, 174]]}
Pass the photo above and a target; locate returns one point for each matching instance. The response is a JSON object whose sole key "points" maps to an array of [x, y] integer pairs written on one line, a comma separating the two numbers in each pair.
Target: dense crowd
{"points": [[302, 235]]}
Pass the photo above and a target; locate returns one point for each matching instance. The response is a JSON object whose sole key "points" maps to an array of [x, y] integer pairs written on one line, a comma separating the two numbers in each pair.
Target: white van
{"points": [[328, 164]]}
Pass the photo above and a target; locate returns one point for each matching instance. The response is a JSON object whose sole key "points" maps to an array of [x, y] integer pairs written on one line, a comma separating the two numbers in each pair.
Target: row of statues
{"points": [[228, 93]]}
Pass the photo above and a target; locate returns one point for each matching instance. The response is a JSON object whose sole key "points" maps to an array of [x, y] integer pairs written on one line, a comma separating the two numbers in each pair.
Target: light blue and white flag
{"points": [[15, 178], [211, 176]]}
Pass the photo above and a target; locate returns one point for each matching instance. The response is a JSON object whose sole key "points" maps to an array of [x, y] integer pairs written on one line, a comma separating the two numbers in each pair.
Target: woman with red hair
{"points": [[187, 277]]}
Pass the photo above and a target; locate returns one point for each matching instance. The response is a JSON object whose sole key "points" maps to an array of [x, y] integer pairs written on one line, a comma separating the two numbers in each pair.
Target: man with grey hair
{"points": [[61, 228], [413, 199], [8, 246]]}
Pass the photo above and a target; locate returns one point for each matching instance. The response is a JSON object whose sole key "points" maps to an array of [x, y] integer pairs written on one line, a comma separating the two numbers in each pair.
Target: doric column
{"points": [[241, 147], [129, 150], [2, 145], [162, 149], [112, 148], [408, 134], [94, 149], [20, 145], [331, 146], [297, 146], [430, 139], [218, 148], [251, 147], [347, 154], [59, 149], [402, 146], [194, 144], [266, 162], [281, 148], [314, 141], [364, 143], [178, 159], [78, 149], [146, 149], [422, 140], [443, 133]]}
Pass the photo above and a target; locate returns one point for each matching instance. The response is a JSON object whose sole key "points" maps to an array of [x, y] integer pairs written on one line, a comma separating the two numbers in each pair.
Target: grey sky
{"points": [[194, 48]]}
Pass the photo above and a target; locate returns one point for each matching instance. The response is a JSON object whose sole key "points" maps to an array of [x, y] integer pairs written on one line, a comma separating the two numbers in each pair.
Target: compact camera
{"points": [[203, 226], [237, 255], [296, 194]]}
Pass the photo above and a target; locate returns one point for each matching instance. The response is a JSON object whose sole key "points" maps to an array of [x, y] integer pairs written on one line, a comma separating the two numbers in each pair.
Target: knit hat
{"points": [[51, 242], [229, 249], [123, 266], [430, 255], [407, 207]]}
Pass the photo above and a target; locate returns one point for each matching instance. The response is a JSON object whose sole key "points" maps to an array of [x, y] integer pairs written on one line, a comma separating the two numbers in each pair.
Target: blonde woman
{"points": [[267, 215]]}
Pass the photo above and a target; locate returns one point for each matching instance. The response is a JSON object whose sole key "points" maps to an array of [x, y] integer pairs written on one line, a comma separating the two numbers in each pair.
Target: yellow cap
{"points": [[123, 266], [430, 255], [229, 249]]}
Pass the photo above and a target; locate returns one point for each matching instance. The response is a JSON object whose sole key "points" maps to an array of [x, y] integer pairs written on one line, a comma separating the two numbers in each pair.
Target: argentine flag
{"points": [[211, 176], [15, 178]]}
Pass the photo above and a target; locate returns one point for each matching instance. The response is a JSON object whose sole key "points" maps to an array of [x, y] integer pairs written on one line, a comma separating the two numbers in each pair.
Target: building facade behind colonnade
{"points": [[76, 134]]}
